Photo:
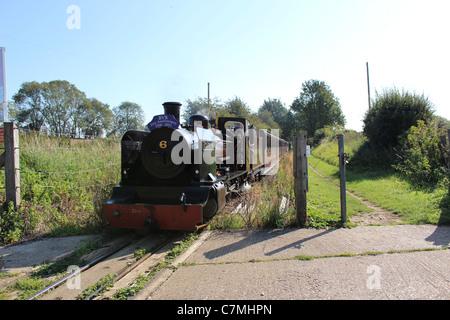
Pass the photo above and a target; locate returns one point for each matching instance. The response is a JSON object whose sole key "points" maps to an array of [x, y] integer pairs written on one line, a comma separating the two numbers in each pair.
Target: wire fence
{"points": [[64, 163]]}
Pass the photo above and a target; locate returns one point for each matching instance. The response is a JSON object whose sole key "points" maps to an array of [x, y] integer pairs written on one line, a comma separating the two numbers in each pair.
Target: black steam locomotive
{"points": [[177, 177]]}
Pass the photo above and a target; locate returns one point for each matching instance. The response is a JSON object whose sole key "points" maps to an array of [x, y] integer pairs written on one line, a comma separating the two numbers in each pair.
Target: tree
{"points": [[281, 115], [276, 108], [316, 108], [267, 118], [392, 113], [128, 116], [29, 100], [61, 108], [201, 106], [237, 107], [62, 101], [97, 118]]}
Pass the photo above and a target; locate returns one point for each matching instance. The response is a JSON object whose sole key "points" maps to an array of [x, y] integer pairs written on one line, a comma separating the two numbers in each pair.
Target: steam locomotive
{"points": [[177, 177]]}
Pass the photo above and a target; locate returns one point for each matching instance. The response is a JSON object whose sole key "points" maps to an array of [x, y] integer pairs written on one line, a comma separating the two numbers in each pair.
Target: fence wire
{"points": [[71, 172], [94, 148]]}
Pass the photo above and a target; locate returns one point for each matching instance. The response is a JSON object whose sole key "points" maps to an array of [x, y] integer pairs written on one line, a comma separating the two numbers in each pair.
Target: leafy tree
{"points": [[237, 107], [201, 106], [13, 110], [281, 115], [30, 103], [394, 112], [267, 118], [62, 101], [128, 116], [232, 108], [97, 118], [316, 108], [276, 108], [61, 108]]}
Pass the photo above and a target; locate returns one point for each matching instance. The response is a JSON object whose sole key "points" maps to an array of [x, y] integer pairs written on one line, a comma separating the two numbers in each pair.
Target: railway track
{"points": [[117, 264]]}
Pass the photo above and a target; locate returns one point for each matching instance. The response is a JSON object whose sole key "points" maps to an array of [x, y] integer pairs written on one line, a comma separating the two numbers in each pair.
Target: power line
{"points": [[62, 51]]}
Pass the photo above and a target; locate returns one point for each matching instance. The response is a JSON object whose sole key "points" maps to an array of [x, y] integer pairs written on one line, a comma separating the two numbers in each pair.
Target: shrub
{"points": [[11, 224], [392, 114], [372, 157], [421, 157]]}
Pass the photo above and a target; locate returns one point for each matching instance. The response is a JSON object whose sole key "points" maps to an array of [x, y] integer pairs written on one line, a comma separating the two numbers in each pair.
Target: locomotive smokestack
{"points": [[172, 108]]}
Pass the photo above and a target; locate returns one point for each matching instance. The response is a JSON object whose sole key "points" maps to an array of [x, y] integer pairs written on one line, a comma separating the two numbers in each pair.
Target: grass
{"points": [[323, 207], [63, 185], [263, 203], [328, 149], [65, 182], [390, 192], [385, 189], [380, 183]]}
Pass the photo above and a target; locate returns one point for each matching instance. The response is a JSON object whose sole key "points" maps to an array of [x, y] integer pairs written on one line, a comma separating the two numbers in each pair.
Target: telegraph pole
{"points": [[368, 84], [208, 94]]}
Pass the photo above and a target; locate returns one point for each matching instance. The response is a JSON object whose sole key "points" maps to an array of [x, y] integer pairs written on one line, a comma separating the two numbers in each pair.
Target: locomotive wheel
{"points": [[210, 209]]}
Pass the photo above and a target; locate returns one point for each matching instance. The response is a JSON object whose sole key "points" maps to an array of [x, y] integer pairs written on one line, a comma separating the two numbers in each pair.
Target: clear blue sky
{"points": [[154, 51]]}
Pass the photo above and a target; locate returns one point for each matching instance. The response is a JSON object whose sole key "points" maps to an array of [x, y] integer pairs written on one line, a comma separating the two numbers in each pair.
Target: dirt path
{"points": [[378, 216]]}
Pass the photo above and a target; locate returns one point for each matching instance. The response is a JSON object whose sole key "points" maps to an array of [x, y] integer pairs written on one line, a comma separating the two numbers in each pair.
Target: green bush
{"points": [[392, 114], [372, 157], [421, 157], [11, 224]]}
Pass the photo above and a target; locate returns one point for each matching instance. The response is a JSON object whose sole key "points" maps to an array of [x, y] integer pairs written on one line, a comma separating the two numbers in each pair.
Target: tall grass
{"points": [[260, 207], [63, 185], [328, 148], [271, 203]]}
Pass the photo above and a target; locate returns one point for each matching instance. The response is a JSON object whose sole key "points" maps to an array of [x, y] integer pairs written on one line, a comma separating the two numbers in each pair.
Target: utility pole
{"points": [[208, 96], [368, 83]]}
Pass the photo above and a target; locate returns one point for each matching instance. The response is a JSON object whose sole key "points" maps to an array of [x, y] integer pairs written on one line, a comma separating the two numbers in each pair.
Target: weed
{"points": [[63, 186], [143, 280], [105, 283]]}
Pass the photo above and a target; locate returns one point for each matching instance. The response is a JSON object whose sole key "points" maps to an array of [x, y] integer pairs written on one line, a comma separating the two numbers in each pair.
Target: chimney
{"points": [[172, 108]]}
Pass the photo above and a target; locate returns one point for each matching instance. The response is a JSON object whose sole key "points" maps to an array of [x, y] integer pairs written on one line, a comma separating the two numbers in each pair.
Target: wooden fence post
{"points": [[342, 162], [12, 174], [300, 177]]}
